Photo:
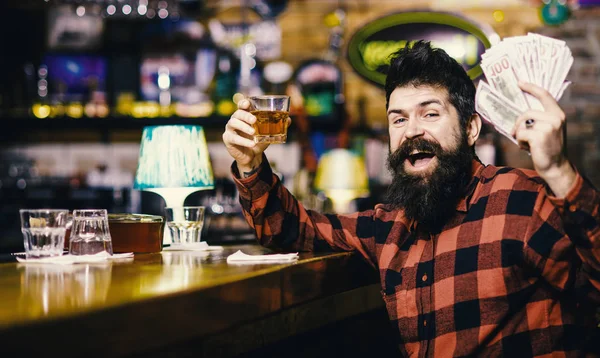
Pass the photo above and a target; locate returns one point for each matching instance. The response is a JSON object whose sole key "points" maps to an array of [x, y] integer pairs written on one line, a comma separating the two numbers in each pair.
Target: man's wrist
{"points": [[249, 169], [560, 179]]}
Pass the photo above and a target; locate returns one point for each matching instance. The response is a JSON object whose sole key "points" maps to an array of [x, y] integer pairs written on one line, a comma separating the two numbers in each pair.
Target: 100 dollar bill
{"points": [[499, 71], [496, 109]]}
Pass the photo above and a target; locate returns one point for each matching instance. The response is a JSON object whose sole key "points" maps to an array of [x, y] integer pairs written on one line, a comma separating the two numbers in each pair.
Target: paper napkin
{"points": [[240, 257], [197, 246], [76, 259]]}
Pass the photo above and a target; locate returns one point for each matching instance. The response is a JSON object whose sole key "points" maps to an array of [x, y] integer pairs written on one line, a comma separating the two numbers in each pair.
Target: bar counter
{"points": [[180, 303]]}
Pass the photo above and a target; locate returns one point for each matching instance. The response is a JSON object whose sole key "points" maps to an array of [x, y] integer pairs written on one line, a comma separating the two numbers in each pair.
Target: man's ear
{"points": [[473, 129]]}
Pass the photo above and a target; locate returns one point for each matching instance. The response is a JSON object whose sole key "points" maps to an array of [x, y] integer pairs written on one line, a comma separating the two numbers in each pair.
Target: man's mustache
{"points": [[409, 146]]}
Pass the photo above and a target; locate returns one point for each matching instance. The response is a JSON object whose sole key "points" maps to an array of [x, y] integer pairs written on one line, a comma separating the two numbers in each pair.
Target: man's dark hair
{"points": [[419, 64]]}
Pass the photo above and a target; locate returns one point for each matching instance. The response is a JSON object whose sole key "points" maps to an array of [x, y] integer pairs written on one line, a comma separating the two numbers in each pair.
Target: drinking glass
{"points": [[185, 224], [271, 112], [89, 233], [43, 231], [137, 233]]}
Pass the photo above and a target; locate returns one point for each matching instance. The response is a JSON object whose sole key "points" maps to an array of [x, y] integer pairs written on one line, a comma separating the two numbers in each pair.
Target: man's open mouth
{"points": [[420, 159]]}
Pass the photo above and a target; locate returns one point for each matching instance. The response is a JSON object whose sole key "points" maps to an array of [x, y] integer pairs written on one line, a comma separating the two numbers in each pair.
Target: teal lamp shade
{"points": [[174, 160]]}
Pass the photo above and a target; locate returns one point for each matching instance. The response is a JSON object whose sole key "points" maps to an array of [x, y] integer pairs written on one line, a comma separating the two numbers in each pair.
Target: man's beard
{"points": [[430, 199]]}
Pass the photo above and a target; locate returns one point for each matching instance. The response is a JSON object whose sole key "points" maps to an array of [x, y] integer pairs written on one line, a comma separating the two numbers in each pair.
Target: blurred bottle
{"points": [[225, 84]]}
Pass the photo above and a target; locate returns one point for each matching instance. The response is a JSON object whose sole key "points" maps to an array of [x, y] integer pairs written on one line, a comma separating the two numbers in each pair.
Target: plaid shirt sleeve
{"points": [[282, 223], [560, 236], [580, 219]]}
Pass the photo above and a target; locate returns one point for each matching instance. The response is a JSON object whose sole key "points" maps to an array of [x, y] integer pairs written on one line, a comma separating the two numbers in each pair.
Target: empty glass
{"points": [[185, 224], [43, 231], [90, 234]]}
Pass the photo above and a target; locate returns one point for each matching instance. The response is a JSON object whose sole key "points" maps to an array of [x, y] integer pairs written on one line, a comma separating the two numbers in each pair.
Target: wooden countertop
{"points": [[155, 300]]}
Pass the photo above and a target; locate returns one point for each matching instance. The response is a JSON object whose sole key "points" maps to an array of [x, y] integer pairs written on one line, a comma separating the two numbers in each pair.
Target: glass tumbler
{"points": [[43, 231], [89, 233], [185, 224], [271, 112]]}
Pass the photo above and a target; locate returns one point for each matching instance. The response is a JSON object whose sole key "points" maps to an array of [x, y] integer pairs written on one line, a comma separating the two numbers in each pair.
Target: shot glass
{"points": [[185, 224], [271, 112], [90, 234], [43, 231]]}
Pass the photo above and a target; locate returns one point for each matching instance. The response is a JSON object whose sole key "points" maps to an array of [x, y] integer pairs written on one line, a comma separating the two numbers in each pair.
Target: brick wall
{"points": [[582, 101]]}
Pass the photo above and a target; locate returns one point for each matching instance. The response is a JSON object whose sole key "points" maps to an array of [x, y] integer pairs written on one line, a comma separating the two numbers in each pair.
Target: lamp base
{"points": [[342, 198], [174, 197]]}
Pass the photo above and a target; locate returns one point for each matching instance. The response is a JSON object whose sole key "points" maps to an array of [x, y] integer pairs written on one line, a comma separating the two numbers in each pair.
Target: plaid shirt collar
{"points": [[466, 200]]}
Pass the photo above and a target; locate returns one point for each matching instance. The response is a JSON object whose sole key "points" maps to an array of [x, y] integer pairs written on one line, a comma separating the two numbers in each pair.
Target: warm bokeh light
{"points": [[75, 110], [41, 110], [498, 15], [226, 107], [90, 110], [102, 110], [145, 110], [238, 97]]}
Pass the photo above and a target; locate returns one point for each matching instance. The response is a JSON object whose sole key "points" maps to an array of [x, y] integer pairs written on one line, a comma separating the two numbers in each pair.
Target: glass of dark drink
{"points": [[137, 233], [271, 112]]}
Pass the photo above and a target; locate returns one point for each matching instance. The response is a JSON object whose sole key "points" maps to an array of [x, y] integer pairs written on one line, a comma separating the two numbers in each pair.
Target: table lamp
{"points": [[342, 176], [174, 162]]}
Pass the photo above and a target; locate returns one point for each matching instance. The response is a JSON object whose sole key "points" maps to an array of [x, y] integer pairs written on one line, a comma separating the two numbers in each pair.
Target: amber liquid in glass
{"points": [[138, 237], [270, 126]]}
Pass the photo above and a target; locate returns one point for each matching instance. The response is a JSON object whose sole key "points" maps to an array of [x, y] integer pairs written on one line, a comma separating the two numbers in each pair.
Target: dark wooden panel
{"points": [[321, 278], [325, 322]]}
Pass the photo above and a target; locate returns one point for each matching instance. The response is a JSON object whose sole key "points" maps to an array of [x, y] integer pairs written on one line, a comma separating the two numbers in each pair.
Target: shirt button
{"points": [[425, 322], [424, 278], [572, 208]]}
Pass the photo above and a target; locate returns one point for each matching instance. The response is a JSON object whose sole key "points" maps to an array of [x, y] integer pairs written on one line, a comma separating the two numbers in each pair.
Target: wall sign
{"points": [[370, 47]]}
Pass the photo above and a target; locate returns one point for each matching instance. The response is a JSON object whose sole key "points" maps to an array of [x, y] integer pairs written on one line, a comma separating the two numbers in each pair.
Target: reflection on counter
{"points": [[49, 287], [182, 269]]}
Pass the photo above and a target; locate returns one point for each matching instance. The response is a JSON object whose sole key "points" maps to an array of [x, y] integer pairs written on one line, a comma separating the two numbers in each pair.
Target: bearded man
{"points": [[473, 259]]}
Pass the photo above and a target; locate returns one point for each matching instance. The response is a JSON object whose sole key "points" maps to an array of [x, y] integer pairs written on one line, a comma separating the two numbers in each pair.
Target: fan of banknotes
{"points": [[534, 58]]}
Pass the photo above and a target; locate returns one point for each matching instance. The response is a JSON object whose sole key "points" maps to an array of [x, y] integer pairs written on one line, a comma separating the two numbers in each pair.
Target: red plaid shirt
{"points": [[500, 278]]}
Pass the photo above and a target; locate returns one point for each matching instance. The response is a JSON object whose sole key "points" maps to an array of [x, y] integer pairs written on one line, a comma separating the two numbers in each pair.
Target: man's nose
{"points": [[413, 129]]}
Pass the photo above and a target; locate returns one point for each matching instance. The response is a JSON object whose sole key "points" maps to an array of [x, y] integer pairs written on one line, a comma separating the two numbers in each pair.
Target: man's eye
{"points": [[431, 116], [400, 120]]}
